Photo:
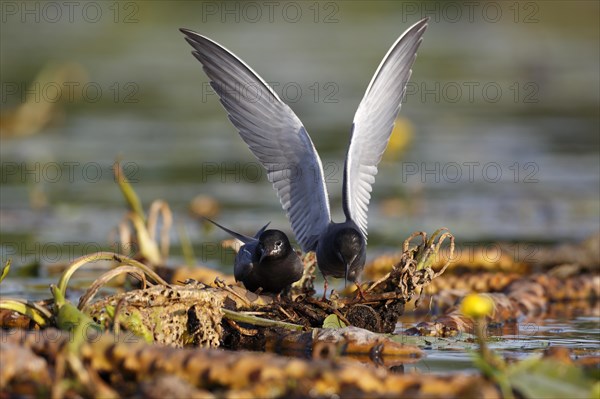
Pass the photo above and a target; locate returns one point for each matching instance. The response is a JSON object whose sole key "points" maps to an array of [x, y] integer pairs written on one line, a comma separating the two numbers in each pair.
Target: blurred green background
{"points": [[498, 137]]}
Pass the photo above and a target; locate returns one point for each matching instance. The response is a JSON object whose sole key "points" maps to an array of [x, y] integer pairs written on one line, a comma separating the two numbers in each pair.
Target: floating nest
{"points": [[132, 330]]}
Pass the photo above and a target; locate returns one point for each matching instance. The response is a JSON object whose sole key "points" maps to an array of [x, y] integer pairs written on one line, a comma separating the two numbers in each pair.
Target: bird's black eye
{"points": [[278, 243]]}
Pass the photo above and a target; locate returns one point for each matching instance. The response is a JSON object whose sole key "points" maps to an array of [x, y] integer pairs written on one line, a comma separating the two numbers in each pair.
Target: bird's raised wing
{"points": [[262, 230], [243, 238], [374, 121], [274, 134]]}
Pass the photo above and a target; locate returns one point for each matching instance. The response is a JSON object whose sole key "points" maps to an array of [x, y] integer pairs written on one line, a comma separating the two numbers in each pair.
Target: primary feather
{"points": [[274, 134], [374, 121]]}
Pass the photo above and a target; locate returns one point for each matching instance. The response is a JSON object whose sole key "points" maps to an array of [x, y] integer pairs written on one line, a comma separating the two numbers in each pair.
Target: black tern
{"points": [[278, 139], [265, 261]]}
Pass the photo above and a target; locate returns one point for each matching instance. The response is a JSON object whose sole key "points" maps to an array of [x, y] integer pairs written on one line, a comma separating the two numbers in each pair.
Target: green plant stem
{"points": [[259, 321], [186, 246], [5, 270], [495, 367], [133, 201], [66, 276], [32, 310]]}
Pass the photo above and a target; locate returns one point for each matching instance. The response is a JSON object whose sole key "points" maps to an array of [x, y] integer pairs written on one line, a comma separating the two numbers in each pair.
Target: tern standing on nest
{"points": [[280, 142]]}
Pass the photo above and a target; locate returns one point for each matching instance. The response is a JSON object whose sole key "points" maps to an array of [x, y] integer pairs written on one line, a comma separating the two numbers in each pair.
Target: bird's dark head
{"points": [[349, 247], [274, 244]]}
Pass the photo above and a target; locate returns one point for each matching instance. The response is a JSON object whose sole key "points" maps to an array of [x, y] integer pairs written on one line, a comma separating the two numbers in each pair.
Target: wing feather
{"points": [[374, 121], [273, 133]]}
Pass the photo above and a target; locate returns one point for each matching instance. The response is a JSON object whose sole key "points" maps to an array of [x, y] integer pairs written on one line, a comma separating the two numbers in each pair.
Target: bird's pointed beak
{"points": [[346, 274]]}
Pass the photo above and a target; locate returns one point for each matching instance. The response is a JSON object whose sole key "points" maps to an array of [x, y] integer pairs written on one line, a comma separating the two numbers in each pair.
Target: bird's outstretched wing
{"points": [[243, 238], [274, 134], [243, 260], [374, 121], [262, 230]]}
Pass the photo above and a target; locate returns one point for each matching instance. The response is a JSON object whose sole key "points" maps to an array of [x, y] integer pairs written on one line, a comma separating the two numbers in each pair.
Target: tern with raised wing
{"points": [[278, 139]]}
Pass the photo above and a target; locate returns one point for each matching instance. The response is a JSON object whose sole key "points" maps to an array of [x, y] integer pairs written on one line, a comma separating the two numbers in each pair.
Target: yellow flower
{"points": [[477, 306]]}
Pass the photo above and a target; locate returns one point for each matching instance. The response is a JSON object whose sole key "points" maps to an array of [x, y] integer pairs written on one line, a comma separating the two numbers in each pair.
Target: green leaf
{"points": [[547, 378], [133, 323], [333, 321], [35, 312], [596, 390], [4, 271], [69, 317]]}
